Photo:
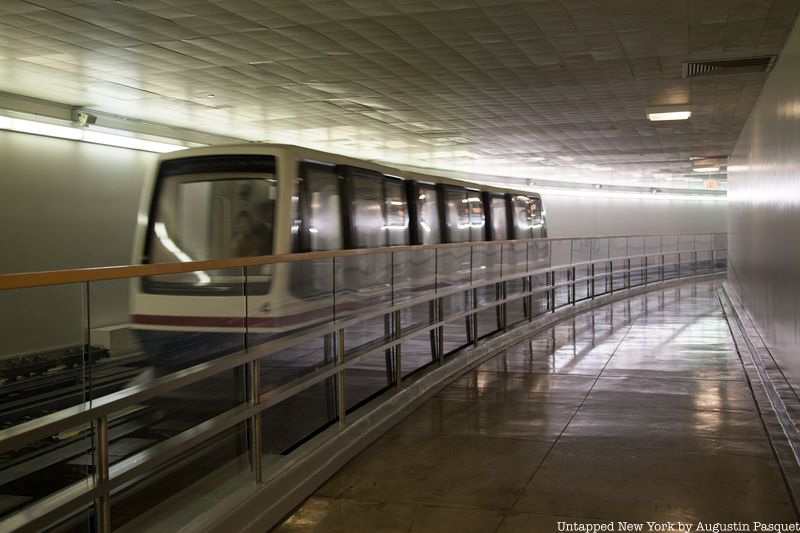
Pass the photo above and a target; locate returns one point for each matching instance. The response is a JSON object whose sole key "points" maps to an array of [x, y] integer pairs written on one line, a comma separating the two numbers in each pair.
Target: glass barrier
{"points": [[174, 385]]}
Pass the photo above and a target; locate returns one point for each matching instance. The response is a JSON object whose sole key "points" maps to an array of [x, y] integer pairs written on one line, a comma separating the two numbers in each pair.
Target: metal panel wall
{"points": [[764, 212], [593, 215]]}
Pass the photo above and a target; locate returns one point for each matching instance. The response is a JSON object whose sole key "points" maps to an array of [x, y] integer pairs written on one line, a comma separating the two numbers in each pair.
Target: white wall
{"points": [[577, 216], [64, 204], [67, 204], [764, 181]]}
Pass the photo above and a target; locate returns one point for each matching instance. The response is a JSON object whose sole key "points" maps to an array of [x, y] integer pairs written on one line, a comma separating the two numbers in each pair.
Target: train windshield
{"points": [[205, 215], [213, 218]]}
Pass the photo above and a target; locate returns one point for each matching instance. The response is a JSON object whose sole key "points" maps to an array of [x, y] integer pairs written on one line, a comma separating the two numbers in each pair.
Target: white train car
{"points": [[260, 199]]}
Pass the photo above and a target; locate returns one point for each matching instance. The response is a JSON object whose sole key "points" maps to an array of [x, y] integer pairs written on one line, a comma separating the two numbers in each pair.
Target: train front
{"points": [[200, 205]]}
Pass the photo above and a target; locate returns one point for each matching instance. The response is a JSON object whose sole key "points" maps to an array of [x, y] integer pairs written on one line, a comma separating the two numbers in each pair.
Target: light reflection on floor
{"points": [[637, 411]]}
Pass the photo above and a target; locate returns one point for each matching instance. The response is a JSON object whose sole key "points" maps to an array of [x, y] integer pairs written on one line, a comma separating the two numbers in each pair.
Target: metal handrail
{"points": [[24, 280], [97, 411]]}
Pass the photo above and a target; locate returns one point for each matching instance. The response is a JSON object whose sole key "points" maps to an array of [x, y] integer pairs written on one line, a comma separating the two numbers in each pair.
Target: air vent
{"points": [[696, 69]]}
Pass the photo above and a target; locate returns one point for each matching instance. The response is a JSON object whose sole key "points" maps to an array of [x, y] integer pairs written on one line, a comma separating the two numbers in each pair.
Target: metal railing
{"points": [[362, 324]]}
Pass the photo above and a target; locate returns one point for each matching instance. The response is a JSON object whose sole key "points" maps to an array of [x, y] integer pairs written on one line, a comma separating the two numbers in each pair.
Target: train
{"points": [[263, 199]]}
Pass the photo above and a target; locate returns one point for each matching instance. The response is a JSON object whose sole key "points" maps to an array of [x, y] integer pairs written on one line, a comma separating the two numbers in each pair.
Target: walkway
{"points": [[639, 411]]}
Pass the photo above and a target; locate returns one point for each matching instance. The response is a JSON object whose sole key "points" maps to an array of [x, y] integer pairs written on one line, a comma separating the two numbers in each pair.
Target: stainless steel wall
{"points": [[764, 212], [575, 216]]}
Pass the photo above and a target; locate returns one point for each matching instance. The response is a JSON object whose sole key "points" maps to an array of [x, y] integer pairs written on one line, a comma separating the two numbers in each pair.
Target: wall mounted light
{"points": [[81, 134]]}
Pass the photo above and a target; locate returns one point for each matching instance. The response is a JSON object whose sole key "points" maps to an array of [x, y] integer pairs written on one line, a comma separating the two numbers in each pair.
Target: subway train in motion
{"points": [[260, 199]]}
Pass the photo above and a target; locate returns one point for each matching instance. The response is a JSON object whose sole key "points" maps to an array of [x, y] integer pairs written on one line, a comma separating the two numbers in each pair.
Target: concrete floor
{"points": [[639, 411]]}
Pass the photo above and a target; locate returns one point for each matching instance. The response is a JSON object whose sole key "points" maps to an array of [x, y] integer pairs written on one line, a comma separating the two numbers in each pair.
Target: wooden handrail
{"points": [[25, 280]]}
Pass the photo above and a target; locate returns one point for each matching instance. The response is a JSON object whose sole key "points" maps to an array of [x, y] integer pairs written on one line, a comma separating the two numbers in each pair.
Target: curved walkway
{"points": [[638, 411]]}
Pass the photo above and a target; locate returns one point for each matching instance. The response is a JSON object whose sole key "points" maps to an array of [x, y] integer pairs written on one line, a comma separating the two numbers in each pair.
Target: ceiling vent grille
{"points": [[696, 69]]}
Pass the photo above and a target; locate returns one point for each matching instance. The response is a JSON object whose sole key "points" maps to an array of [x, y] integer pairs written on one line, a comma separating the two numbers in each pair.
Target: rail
{"points": [[302, 345]]}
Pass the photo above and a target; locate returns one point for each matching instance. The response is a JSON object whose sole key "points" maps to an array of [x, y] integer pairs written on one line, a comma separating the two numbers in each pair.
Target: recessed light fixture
{"points": [[668, 112], [705, 169]]}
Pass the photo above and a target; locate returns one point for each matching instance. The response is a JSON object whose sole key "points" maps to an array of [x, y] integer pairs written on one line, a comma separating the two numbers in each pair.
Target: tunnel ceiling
{"points": [[550, 88]]}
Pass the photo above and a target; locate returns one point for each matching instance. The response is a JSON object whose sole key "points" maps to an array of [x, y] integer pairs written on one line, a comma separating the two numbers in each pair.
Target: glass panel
{"points": [[417, 352], [669, 246], [457, 215], [599, 249], [515, 258], [200, 217], [428, 213], [414, 274], [686, 243], [453, 267], [309, 300], [46, 360], [516, 309], [293, 421], [499, 222], [42, 467], [325, 221], [618, 247], [179, 492], [368, 378], [581, 250], [362, 282], [486, 263], [561, 252], [368, 215], [183, 329], [282, 366], [396, 213], [539, 255]]}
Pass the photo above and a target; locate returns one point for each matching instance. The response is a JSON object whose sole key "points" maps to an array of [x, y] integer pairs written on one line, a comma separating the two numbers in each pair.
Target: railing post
{"points": [[255, 420], [628, 272], [103, 508], [552, 291], [440, 318], [398, 366], [593, 283], [574, 283], [611, 276], [340, 400]]}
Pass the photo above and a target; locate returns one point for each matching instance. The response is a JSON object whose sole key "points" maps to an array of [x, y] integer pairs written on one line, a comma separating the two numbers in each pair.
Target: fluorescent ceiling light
{"points": [[80, 134], [129, 142], [706, 169], [41, 128], [669, 115]]}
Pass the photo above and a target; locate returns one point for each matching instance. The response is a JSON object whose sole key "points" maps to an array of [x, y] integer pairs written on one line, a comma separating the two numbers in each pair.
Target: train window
{"points": [[368, 213], [499, 223], [212, 218], [324, 215], [457, 214], [522, 217], [396, 213], [476, 218], [428, 215]]}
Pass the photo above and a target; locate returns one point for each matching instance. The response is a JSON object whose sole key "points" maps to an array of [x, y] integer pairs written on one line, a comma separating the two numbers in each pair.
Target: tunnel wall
{"points": [[764, 212], [64, 204], [575, 216]]}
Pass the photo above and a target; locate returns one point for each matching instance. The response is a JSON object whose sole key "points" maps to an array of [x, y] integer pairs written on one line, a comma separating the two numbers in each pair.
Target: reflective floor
{"points": [[639, 411]]}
